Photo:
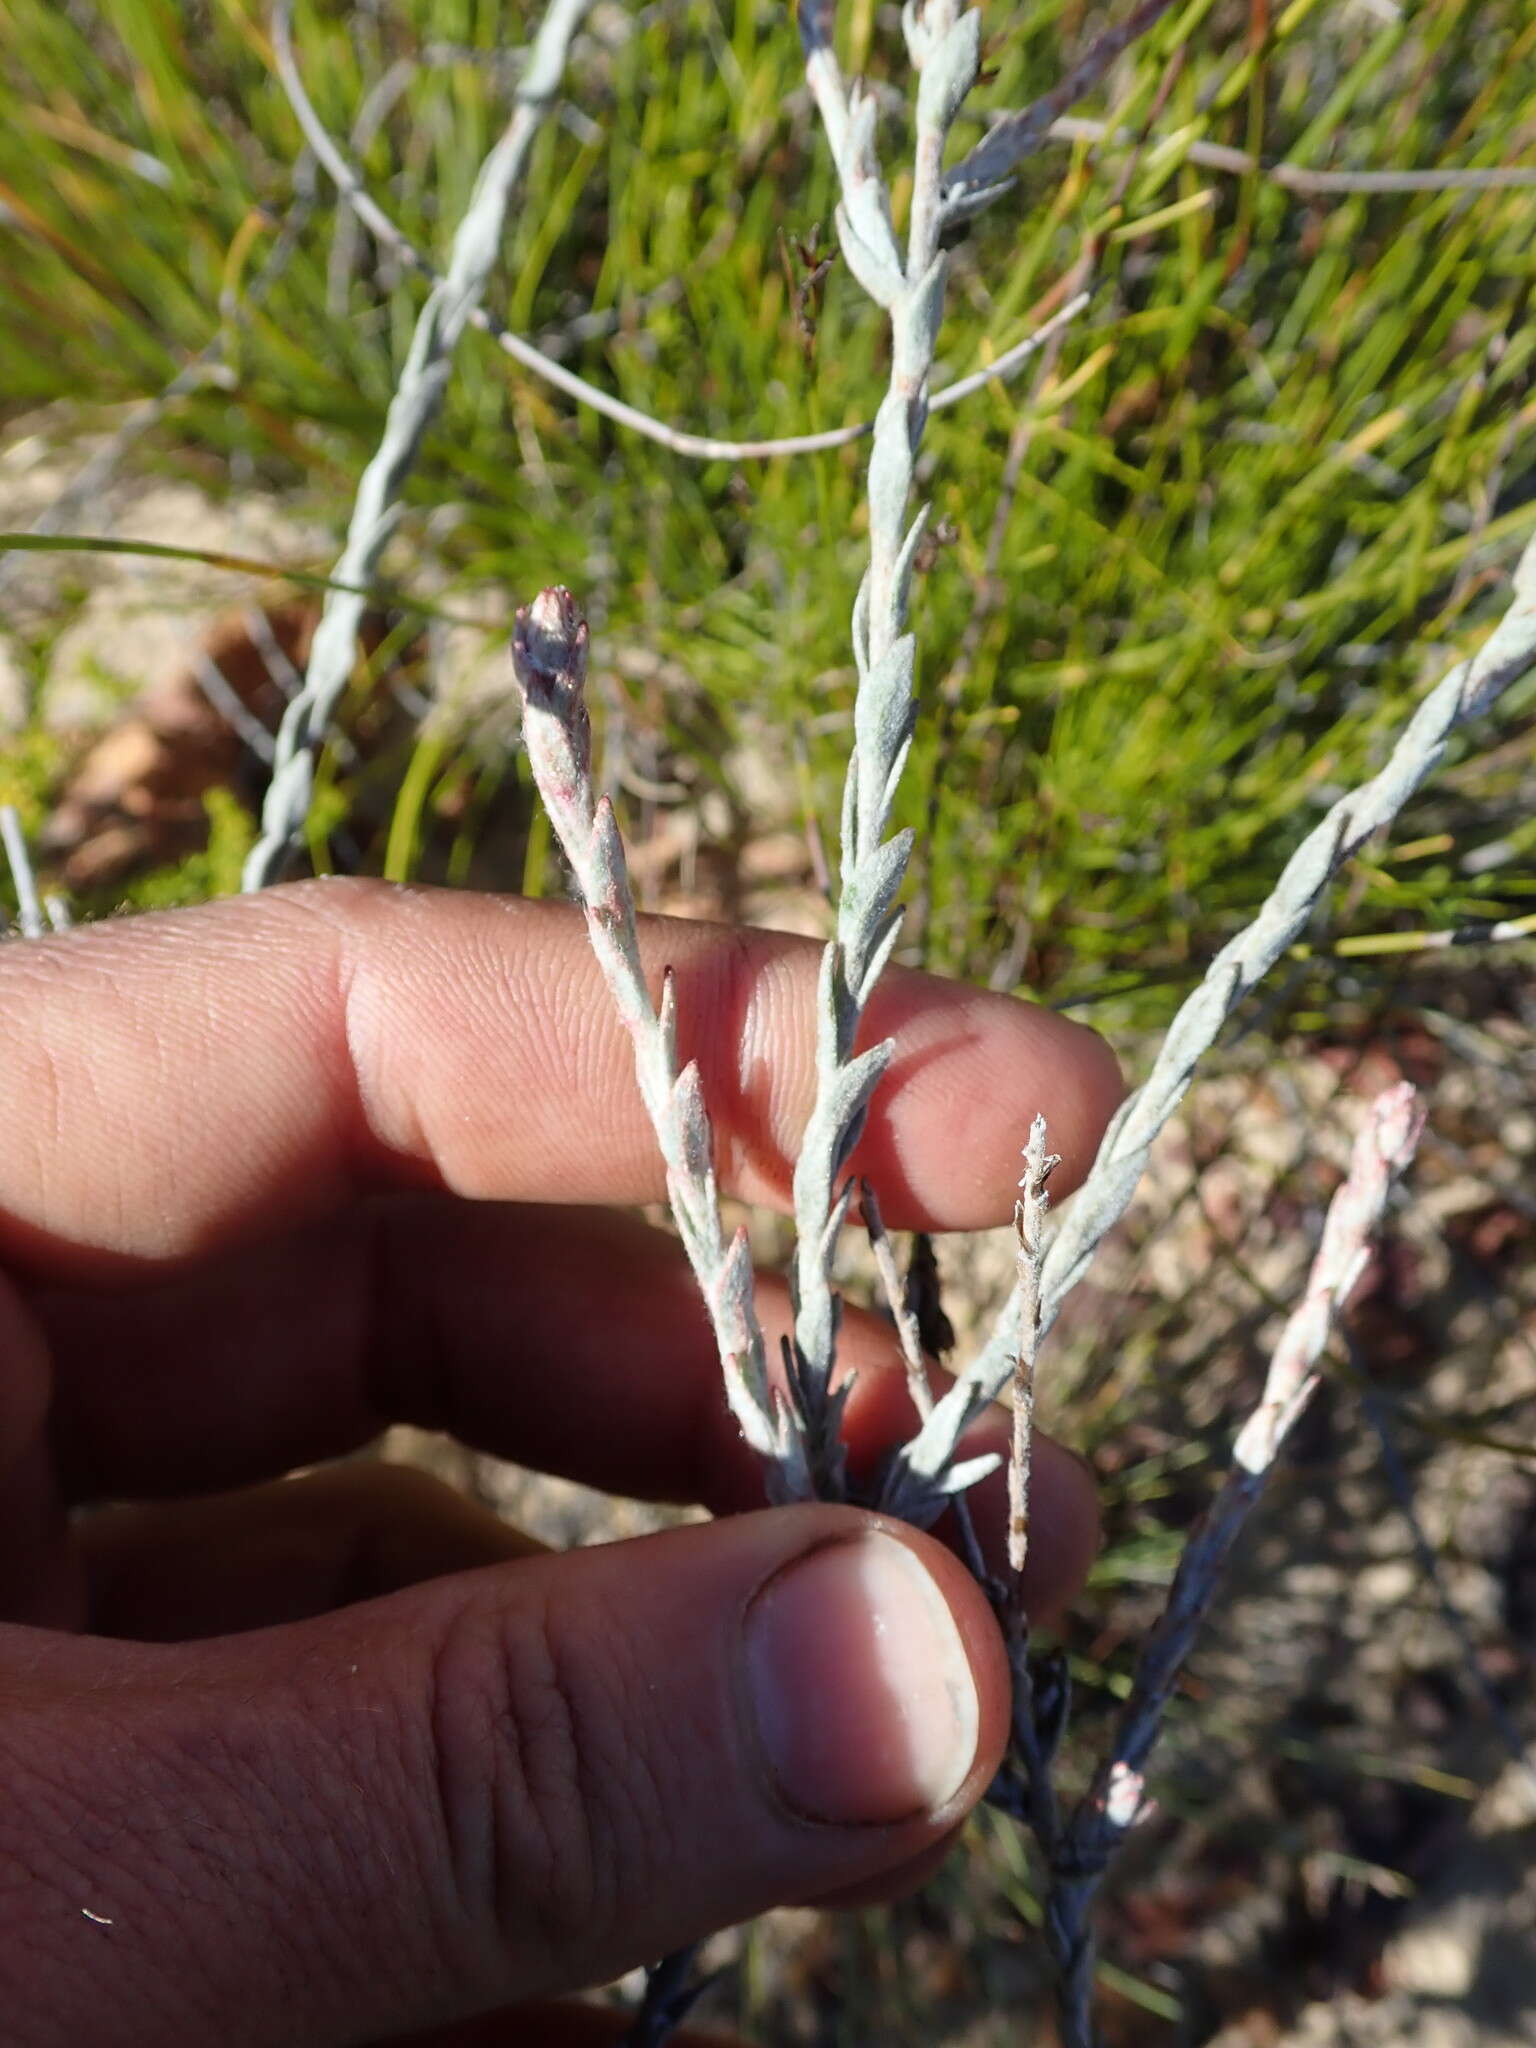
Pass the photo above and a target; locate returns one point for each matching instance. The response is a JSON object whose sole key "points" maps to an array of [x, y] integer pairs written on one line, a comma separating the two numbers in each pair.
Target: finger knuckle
{"points": [[550, 1812]]}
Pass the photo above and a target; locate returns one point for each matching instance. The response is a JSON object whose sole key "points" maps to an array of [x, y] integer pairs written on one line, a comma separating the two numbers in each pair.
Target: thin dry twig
{"points": [[1029, 1221], [1080, 1852], [908, 1332], [30, 920], [1238, 163]]}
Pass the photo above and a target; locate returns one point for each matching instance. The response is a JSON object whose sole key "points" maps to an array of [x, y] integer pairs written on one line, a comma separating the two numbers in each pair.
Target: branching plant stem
{"points": [[1468, 690], [903, 1315], [417, 397], [945, 45], [678, 440]]}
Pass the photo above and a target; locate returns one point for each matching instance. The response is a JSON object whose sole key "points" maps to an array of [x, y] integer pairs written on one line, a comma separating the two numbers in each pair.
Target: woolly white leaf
{"points": [[606, 877], [893, 781], [691, 1122], [850, 1098], [949, 72], [879, 277], [915, 328], [933, 1448], [861, 626], [732, 1293], [868, 894], [915, 31], [861, 174], [880, 954], [883, 709], [834, 1007], [838, 1113], [883, 714], [970, 1472], [904, 560], [666, 1020]]}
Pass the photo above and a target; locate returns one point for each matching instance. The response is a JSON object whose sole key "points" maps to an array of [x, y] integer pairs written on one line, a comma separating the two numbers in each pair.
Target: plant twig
{"points": [[417, 396], [1029, 1222], [945, 47], [908, 1333], [1239, 163], [1469, 689], [1115, 1798], [1003, 366], [30, 920], [549, 661]]}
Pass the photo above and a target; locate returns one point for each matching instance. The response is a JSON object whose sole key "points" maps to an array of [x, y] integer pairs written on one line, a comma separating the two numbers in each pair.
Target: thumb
{"points": [[492, 1787]]}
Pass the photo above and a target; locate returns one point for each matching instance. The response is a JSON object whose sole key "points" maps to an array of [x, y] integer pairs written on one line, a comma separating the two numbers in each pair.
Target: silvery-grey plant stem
{"points": [[549, 663], [1470, 688], [1114, 1800], [1239, 163], [35, 917], [30, 920], [945, 43], [418, 394]]}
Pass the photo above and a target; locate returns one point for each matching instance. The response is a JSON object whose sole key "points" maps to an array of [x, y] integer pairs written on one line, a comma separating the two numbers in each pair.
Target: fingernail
{"points": [[866, 1704]]}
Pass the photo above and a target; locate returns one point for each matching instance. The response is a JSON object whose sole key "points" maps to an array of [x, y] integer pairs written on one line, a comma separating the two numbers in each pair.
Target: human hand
{"points": [[282, 1765]]}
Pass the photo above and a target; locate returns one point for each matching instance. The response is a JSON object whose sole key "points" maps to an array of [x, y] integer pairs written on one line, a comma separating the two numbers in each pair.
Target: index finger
{"points": [[186, 1079]]}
